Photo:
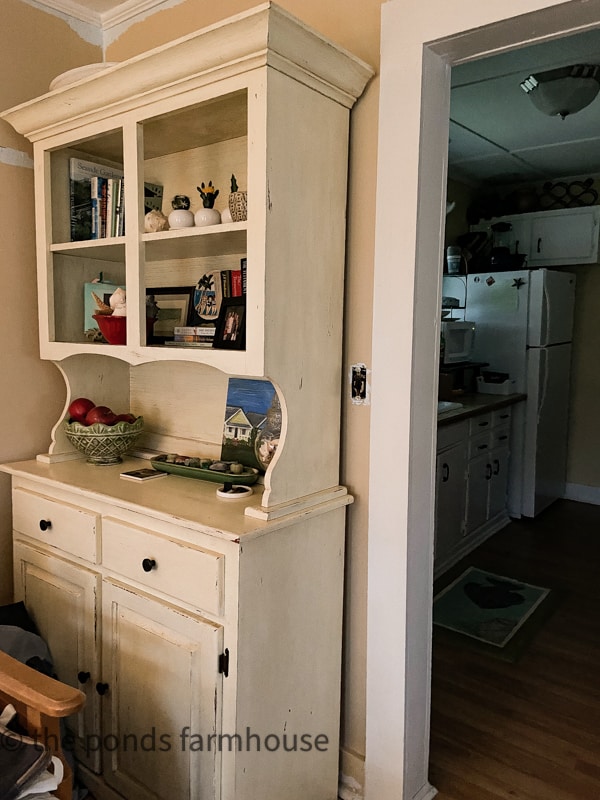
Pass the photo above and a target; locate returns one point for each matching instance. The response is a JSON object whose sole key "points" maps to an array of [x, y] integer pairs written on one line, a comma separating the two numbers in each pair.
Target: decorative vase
{"points": [[207, 216], [181, 216], [238, 206]]}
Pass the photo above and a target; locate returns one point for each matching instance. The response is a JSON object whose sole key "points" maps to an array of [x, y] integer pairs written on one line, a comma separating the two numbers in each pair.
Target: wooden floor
{"points": [[530, 730]]}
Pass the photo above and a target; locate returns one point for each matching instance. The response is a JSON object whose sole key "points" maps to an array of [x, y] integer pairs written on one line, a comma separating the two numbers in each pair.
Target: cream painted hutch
{"points": [[206, 633]]}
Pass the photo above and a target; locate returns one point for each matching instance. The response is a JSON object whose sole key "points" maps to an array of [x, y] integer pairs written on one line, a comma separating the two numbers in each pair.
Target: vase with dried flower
{"points": [[207, 215]]}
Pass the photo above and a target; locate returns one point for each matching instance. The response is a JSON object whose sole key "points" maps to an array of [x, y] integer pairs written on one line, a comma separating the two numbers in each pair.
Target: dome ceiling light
{"points": [[563, 91]]}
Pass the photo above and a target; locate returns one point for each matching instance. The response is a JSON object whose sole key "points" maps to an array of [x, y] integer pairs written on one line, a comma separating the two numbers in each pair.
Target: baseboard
{"points": [[426, 792], [582, 493], [352, 775]]}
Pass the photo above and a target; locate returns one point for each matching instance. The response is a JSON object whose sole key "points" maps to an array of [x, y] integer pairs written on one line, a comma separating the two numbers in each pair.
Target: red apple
{"points": [[79, 409], [125, 418], [101, 414]]}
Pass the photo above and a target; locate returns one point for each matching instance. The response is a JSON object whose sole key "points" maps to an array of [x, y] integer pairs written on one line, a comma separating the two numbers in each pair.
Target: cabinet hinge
{"points": [[224, 662]]}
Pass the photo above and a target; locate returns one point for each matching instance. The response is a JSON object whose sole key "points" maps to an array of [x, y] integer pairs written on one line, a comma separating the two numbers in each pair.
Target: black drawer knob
{"points": [[148, 564], [102, 688], [83, 677], [45, 524]]}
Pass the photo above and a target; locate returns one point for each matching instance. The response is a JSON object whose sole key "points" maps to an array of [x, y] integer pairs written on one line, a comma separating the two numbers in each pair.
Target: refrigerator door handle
{"points": [[543, 381]]}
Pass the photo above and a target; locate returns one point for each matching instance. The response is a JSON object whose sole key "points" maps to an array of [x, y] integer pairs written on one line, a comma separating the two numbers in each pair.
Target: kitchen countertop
{"points": [[473, 404]]}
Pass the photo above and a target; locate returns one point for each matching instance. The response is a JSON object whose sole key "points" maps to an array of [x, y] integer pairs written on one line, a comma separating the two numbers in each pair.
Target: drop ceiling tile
{"points": [[559, 161], [498, 169]]}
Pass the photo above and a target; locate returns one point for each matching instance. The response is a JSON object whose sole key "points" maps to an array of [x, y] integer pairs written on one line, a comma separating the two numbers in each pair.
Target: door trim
{"points": [[418, 48]]}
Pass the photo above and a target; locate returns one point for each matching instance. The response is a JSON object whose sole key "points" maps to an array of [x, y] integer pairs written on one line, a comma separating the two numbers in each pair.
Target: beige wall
{"points": [[355, 25], [34, 47]]}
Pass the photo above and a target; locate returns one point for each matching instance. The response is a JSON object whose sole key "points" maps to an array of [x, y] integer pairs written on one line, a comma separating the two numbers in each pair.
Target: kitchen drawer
{"points": [[501, 417], [501, 435], [479, 444], [57, 524], [180, 570], [449, 435], [480, 423]]}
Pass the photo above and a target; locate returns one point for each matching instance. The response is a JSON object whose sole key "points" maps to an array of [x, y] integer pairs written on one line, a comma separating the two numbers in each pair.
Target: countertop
{"points": [[474, 404]]}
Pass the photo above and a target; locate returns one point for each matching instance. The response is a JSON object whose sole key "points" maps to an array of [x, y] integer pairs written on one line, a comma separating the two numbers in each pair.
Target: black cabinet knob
{"points": [[83, 677], [102, 688], [45, 524], [148, 564]]}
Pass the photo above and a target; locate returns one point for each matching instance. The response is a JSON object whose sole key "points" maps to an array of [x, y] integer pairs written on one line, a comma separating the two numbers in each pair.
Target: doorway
{"points": [[418, 50]]}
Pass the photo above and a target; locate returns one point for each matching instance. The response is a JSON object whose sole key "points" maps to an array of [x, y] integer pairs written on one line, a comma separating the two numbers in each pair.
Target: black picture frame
{"points": [[230, 333], [174, 299]]}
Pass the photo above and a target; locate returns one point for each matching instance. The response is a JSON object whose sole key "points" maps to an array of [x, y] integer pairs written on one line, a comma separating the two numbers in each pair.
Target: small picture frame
{"points": [[230, 333], [174, 310]]}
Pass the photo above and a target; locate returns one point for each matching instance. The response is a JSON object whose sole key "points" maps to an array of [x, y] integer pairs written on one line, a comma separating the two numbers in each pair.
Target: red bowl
{"points": [[114, 329]]}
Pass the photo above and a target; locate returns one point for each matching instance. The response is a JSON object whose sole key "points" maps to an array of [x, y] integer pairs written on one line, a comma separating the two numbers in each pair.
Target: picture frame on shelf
{"points": [[175, 306], [230, 333]]}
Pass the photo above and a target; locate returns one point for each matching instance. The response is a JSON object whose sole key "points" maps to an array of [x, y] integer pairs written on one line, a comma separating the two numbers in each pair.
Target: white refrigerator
{"points": [[524, 326]]}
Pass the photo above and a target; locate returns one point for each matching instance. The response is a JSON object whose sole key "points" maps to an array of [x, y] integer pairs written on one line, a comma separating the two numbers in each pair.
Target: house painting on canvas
{"points": [[252, 424]]}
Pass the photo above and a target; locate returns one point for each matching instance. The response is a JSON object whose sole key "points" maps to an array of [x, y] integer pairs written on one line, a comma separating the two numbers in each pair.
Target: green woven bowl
{"points": [[103, 444]]}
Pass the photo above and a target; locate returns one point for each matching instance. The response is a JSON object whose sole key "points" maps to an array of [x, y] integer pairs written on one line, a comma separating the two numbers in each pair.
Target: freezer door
{"points": [[551, 303], [546, 427], [498, 305]]}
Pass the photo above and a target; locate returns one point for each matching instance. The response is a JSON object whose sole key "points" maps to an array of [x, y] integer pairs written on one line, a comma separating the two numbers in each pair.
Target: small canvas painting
{"points": [[252, 425]]}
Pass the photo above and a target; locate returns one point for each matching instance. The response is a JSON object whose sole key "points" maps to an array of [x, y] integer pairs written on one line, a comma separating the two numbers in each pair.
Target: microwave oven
{"points": [[458, 337]]}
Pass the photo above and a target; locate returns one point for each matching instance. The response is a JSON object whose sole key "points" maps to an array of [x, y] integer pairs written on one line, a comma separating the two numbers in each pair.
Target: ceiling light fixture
{"points": [[563, 91]]}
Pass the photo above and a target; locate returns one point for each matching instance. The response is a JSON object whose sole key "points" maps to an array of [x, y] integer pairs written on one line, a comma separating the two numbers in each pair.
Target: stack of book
{"points": [[193, 336], [233, 281], [97, 200]]}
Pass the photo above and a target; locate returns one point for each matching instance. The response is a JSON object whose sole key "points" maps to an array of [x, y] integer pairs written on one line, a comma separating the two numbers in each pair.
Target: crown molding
{"points": [[70, 8], [130, 9], [124, 13]]}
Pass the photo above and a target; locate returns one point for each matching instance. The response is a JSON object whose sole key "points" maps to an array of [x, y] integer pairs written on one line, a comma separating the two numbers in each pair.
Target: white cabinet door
{"points": [[450, 500], [564, 237], [161, 699], [478, 484], [63, 600], [498, 484]]}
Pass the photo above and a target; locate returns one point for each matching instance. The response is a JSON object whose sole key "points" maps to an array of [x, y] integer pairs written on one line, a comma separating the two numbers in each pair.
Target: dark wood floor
{"points": [[530, 730]]}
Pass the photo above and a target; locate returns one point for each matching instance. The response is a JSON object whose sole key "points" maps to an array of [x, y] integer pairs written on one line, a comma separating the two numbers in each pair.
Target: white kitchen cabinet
{"points": [[499, 461], [479, 475], [473, 506], [569, 236], [185, 619], [451, 466], [558, 237]]}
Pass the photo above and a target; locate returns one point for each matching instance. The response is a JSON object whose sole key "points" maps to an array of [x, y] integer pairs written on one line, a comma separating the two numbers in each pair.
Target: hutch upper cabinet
{"points": [[260, 96]]}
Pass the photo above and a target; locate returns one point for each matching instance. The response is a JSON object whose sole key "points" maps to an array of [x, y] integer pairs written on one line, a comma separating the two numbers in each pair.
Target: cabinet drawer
{"points": [[501, 417], [480, 423], [67, 527], [501, 436], [479, 444], [449, 435], [182, 571]]}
